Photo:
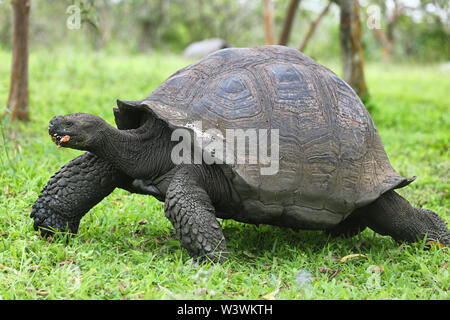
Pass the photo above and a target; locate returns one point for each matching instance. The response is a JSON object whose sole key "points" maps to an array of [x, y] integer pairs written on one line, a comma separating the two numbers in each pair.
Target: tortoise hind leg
{"points": [[393, 215], [351, 226]]}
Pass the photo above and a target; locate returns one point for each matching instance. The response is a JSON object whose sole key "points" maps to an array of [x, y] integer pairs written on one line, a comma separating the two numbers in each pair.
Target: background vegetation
{"points": [[126, 248], [421, 31]]}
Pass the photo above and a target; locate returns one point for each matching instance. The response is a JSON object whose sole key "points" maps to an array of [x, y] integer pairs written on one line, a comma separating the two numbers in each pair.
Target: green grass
{"points": [[115, 257]]}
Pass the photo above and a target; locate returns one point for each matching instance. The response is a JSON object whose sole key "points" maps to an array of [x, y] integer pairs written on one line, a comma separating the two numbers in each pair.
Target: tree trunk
{"points": [[18, 94], [392, 21], [313, 27], [385, 41], [351, 47], [147, 35], [387, 38], [152, 23], [288, 21], [268, 21]]}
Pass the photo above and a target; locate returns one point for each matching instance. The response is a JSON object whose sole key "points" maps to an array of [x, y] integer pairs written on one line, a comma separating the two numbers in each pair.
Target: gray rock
{"points": [[202, 48]]}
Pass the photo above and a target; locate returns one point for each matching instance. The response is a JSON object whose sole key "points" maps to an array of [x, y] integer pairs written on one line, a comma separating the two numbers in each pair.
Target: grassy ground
{"points": [[115, 257]]}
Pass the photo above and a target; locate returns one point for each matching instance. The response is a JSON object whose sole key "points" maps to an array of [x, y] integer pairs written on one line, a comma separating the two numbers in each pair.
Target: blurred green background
{"points": [[420, 32]]}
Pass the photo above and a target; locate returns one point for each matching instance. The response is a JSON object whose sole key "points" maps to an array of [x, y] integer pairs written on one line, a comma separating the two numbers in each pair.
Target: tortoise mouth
{"points": [[59, 134], [62, 139]]}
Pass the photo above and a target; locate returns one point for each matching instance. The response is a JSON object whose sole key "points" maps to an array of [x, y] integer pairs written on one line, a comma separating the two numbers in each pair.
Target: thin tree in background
{"points": [[18, 93], [313, 27], [152, 19], [391, 18], [268, 21], [351, 47], [288, 21]]}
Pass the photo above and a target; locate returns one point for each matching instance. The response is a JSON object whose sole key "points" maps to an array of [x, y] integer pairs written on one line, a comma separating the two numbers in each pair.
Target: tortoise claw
{"points": [[48, 221]]}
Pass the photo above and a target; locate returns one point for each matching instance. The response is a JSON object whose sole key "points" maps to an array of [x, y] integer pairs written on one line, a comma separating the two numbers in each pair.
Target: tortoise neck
{"points": [[139, 153], [117, 146]]}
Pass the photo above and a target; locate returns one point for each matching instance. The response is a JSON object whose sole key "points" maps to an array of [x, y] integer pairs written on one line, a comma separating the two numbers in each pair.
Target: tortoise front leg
{"points": [[190, 210], [72, 192]]}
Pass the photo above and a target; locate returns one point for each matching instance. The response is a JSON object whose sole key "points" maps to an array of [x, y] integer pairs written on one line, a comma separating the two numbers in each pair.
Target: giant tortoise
{"points": [[330, 171]]}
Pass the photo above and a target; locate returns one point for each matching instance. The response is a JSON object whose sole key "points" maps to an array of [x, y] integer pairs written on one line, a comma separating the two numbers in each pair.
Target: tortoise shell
{"points": [[331, 158]]}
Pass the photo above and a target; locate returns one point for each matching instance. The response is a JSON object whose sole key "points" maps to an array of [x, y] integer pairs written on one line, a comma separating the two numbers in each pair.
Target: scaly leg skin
{"points": [[393, 215], [72, 192], [190, 210]]}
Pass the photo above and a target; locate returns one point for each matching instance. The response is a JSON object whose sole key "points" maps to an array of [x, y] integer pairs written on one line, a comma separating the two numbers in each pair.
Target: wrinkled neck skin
{"points": [[142, 153]]}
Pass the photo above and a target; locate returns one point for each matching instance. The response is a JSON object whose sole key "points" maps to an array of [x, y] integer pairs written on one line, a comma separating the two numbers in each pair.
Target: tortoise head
{"points": [[78, 130], [140, 152]]}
